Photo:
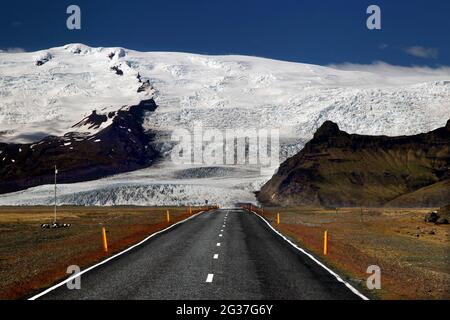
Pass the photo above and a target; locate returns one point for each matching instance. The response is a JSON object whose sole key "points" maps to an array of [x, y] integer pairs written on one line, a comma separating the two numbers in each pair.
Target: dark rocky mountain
{"points": [[120, 147], [340, 169]]}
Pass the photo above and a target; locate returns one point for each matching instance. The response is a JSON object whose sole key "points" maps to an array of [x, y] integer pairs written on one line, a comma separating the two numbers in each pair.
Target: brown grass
{"points": [[32, 258], [414, 256]]}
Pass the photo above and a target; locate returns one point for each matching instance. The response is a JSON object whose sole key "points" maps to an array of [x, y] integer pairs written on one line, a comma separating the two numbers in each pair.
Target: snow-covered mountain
{"points": [[48, 92]]}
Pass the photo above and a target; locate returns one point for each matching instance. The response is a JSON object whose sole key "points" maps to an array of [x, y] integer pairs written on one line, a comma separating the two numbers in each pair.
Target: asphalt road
{"points": [[222, 254]]}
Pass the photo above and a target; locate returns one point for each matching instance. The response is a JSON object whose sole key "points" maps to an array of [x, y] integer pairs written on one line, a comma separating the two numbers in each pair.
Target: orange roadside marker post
{"points": [[190, 210], [168, 216], [105, 241], [278, 218], [325, 243]]}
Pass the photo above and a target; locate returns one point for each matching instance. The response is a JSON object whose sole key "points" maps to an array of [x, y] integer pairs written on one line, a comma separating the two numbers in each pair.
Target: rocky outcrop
{"points": [[117, 70], [43, 59], [94, 120], [441, 217], [145, 86]]}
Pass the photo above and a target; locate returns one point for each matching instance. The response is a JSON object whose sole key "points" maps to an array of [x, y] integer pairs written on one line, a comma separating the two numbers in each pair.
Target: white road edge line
{"points": [[348, 285], [110, 258], [210, 278], [216, 256]]}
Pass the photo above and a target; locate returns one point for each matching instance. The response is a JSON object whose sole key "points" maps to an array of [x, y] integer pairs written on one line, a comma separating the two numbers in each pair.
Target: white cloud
{"points": [[388, 73], [12, 50], [422, 52]]}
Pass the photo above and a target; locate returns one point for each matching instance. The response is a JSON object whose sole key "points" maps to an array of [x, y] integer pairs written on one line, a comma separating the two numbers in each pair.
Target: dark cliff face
{"points": [[340, 169], [121, 147]]}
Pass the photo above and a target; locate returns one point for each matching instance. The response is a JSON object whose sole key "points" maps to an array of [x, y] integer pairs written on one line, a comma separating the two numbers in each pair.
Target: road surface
{"points": [[221, 254]]}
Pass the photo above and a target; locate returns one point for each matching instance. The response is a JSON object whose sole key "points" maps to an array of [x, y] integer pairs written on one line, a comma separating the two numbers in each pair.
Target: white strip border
{"points": [[111, 258], [348, 285]]}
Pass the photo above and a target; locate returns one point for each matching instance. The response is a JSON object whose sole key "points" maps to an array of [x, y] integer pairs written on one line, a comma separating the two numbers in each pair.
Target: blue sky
{"points": [[414, 32]]}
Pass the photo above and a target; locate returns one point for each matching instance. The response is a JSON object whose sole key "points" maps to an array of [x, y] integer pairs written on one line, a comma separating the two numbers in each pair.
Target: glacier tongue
{"points": [[223, 92], [159, 185]]}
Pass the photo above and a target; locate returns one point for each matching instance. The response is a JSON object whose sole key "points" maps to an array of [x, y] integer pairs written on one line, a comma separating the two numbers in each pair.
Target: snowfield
{"points": [[47, 92]]}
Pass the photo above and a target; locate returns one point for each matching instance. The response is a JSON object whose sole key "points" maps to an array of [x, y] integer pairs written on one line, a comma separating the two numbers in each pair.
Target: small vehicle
{"points": [[55, 225]]}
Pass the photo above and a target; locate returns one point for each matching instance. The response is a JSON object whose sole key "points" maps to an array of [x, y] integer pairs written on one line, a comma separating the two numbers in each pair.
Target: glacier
{"points": [[47, 92]]}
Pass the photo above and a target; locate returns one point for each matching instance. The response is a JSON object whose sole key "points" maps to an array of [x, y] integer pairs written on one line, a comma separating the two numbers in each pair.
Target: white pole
{"points": [[54, 218]]}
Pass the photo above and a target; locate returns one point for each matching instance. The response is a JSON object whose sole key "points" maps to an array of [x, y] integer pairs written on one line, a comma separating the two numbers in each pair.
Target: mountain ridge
{"points": [[340, 169], [122, 146]]}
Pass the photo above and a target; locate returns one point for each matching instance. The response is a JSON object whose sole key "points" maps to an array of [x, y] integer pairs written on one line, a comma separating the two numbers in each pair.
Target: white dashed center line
{"points": [[221, 230], [210, 278], [220, 235], [216, 256], [218, 244]]}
